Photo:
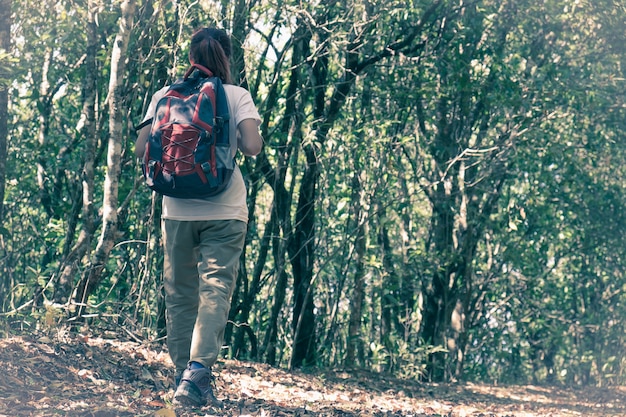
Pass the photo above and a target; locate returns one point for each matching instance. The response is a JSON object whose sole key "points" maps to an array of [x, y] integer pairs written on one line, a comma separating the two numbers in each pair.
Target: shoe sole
{"points": [[192, 401], [185, 401]]}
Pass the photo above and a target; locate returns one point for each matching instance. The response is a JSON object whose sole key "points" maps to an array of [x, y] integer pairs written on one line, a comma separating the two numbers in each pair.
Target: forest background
{"points": [[440, 196]]}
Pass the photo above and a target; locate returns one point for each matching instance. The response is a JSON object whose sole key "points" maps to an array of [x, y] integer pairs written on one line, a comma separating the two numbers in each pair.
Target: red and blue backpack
{"points": [[188, 153]]}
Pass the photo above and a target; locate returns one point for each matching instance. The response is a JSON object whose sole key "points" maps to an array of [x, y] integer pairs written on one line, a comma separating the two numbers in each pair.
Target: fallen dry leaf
{"points": [[165, 412]]}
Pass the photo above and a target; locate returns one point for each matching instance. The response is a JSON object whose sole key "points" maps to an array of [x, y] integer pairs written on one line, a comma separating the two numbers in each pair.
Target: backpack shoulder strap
{"points": [[144, 124], [200, 68]]}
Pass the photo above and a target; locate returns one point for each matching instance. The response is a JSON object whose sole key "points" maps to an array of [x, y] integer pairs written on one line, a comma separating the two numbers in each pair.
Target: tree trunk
{"points": [[355, 341], [5, 47], [93, 276], [269, 349], [441, 293], [70, 264], [389, 288], [302, 243], [246, 290], [239, 33], [44, 113], [302, 254]]}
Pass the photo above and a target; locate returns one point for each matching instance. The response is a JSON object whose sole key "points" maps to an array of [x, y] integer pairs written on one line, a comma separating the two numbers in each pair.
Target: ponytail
{"points": [[211, 48]]}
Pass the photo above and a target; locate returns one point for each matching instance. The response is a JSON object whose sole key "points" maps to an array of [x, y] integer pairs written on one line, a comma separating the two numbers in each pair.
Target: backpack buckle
{"points": [[150, 172], [206, 168]]}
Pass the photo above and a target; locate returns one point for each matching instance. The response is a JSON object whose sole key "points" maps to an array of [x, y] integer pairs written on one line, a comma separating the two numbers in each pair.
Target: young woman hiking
{"points": [[203, 238]]}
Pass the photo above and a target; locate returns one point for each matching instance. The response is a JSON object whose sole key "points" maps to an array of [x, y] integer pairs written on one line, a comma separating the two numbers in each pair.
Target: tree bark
{"points": [[44, 114], [355, 340], [302, 254], [241, 17], [5, 47], [70, 264], [93, 276], [302, 243]]}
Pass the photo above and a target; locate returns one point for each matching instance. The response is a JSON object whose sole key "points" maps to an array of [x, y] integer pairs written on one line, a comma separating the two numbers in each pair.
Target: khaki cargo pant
{"points": [[200, 271]]}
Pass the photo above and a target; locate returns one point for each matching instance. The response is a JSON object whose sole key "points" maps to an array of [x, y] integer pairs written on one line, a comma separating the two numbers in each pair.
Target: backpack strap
{"points": [[199, 67], [144, 124]]}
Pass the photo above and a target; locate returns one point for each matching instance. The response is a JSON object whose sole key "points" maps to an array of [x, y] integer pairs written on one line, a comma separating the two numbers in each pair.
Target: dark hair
{"points": [[211, 48]]}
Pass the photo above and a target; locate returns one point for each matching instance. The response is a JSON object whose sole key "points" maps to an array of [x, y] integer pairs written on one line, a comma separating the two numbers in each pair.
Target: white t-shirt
{"points": [[231, 203]]}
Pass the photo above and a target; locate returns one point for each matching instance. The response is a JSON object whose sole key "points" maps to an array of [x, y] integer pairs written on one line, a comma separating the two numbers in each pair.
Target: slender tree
{"points": [[5, 74], [107, 238], [89, 131]]}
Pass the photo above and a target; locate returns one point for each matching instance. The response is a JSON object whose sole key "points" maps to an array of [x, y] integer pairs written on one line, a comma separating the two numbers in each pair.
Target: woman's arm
{"points": [[140, 143], [249, 139]]}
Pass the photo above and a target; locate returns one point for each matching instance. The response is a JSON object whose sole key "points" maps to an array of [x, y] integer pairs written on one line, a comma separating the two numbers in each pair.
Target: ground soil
{"points": [[74, 375]]}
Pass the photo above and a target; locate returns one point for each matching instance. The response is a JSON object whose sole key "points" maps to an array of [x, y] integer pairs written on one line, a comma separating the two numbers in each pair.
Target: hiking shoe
{"points": [[195, 389]]}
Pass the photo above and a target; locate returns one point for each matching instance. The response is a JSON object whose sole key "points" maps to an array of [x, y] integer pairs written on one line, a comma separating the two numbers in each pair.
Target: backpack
{"points": [[188, 153]]}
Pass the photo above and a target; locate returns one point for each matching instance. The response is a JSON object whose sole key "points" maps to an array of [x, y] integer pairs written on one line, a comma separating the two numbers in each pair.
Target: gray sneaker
{"points": [[195, 389]]}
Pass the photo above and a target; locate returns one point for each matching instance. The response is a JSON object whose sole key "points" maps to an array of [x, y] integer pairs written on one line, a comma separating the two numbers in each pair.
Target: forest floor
{"points": [[93, 376]]}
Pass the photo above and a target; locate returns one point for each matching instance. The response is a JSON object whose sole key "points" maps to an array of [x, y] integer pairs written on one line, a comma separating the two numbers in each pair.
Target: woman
{"points": [[204, 238]]}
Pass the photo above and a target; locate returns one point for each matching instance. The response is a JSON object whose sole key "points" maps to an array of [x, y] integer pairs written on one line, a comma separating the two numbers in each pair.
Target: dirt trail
{"points": [[81, 376]]}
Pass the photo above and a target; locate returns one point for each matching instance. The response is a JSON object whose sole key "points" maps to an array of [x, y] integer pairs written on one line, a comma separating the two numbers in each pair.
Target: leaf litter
{"points": [[74, 375]]}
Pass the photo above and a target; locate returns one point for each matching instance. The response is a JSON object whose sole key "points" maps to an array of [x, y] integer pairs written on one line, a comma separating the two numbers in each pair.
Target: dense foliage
{"points": [[441, 192]]}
